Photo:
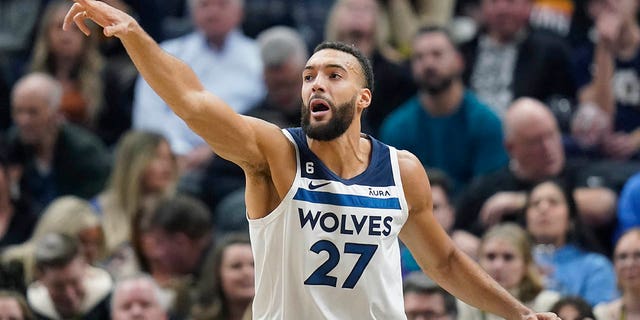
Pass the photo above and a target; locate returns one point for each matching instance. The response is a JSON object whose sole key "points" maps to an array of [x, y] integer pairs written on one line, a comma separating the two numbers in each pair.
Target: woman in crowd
{"points": [[626, 260], [505, 253], [144, 172], [227, 295], [74, 60], [67, 215], [562, 246]]}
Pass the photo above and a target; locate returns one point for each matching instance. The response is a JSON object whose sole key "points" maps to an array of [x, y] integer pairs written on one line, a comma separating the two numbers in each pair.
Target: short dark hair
{"points": [[365, 64], [439, 178], [436, 29], [55, 250], [418, 282], [182, 214], [583, 307]]}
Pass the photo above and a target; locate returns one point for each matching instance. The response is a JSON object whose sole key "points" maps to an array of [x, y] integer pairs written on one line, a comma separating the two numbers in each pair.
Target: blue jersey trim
{"points": [[378, 174], [346, 200]]}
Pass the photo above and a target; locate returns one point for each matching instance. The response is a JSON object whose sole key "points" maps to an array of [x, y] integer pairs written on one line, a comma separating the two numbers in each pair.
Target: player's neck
{"points": [[347, 156]]}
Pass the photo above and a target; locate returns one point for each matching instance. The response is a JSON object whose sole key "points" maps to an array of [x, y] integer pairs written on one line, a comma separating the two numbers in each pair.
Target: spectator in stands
{"points": [[424, 299], [508, 60], [445, 125], [628, 206], [224, 60], [58, 158], [173, 243], [138, 298], [144, 171], [573, 308], [505, 253], [533, 141], [608, 74], [626, 259], [358, 22], [13, 306], [74, 60], [16, 218], [228, 288], [66, 215], [67, 287], [563, 246]]}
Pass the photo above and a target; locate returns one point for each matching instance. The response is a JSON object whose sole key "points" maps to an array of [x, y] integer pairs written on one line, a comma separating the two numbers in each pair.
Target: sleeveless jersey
{"points": [[330, 249]]}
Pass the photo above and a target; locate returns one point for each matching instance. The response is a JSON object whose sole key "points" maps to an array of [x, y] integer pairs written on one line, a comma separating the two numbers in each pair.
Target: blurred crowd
{"points": [[525, 114]]}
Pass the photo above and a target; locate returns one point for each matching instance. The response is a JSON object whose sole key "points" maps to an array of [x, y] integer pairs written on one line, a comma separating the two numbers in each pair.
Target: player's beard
{"points": [[341, 118]]}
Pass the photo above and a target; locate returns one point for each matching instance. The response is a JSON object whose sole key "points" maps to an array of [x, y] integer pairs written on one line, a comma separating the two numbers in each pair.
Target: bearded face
{"points": [[341, 118]]}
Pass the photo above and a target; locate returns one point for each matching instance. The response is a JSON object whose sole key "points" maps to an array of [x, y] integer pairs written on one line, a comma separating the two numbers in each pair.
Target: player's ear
{"points": [[364, 99]]}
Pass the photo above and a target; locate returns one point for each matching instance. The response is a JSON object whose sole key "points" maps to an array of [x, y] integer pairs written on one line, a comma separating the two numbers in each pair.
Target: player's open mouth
{"points": [[318, 106]]}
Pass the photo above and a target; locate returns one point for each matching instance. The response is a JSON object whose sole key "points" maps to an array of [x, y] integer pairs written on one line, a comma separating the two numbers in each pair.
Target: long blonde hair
{"points": [[124, 197], [88, 67], [531, 284]]}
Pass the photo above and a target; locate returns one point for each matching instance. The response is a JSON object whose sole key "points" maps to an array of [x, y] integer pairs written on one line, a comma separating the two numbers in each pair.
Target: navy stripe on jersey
{"points": [[346, 199], [378, 174]]}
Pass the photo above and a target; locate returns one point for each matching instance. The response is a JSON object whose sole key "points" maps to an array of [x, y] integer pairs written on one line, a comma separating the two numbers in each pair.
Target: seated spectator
{"points": [[444, 213], [226, 62], [57, 158], [573, 308], [72, 59], [562, 246], [626, 260], [144, 171], [172, 245], [67, 215], [424, 299], [16, 218], [67, 287], [138, 298], [444, 124], [628, 206], [534, 145], [227, 290], [13, 306], [358, 22], [505, 253], [507, 60], [608, 74]]}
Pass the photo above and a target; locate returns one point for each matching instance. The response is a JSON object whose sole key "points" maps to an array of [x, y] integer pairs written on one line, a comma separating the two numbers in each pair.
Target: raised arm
{"points": [[232, 136], [441, 260]]}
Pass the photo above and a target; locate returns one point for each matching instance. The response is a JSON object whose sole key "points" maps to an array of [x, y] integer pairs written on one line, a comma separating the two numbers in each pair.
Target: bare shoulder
{"points": [[410, 167], [278, 151]]}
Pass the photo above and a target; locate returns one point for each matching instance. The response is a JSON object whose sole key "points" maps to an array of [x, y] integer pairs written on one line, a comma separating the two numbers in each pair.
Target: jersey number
{"points": [[321, 275]]}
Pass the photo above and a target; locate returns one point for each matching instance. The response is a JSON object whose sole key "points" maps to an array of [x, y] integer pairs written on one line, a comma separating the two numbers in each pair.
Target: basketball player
{"points": [[325, 203]]}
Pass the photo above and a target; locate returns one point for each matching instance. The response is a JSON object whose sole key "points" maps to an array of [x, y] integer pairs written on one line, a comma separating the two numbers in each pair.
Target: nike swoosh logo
{"points": [[316, 186]]}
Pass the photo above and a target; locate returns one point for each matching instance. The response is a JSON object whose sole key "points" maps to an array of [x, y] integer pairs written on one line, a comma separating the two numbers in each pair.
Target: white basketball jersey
{"points": [[330, 249]]}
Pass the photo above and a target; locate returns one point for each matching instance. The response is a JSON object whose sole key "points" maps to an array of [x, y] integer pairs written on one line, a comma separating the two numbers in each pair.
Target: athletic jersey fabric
{"points": [[330, 249]]}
